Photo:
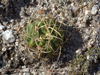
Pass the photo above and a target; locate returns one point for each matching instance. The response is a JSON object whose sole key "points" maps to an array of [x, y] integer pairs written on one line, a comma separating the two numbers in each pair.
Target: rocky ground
{"points": [[81, 54]]}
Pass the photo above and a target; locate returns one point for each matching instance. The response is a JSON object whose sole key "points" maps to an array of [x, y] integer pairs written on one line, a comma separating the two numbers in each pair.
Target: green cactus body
{"points": [[32, 43], [44, 34], [41, 43]]}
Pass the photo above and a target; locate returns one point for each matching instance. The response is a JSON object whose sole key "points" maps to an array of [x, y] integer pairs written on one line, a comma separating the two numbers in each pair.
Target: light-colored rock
{"points": [[86, 18], [94, 10], [80, 18], [87, 12], [8, 37], [27, 73], [16, 43], [1, 28], [88, 57], [4, 49], [23, 67], [88, 31], [78, 51], [26, 70], [85, 3], [86, 37], [81, 25], [75, 9], [89, 43], [24, 73]]}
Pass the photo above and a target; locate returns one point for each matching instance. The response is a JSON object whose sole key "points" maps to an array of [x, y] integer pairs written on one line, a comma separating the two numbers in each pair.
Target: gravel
{"points": [[82, 21]]}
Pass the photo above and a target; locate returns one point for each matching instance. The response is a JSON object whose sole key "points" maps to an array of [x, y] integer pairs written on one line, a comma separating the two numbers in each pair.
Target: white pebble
{"points": [[86, 37], [72, 4], [88, 57], [87, 12], [8, 36], [3, 49], [1, 27], [78, 51], [80, 18], [12, 58], [86, 18], [85, 3], [16, 43], [75, 9], [12, 20], [23, 67], [26, 70], [24, 73], [94, 10], [81, 25], [92, 42]]}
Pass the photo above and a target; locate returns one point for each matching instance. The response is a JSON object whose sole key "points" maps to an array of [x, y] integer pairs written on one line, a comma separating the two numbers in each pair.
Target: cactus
{"points": [[45, 35]]}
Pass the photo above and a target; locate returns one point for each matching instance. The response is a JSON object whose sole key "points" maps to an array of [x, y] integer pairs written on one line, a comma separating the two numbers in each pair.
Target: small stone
{"points": [[8, 36], [12, 58], [87, 12], [80, 18], [9, 62], [1, 27], [92, 42], [86, 18], [12, 20], [89, 43], [22, 23], [20, 74], [23, 67], [78, 51], [74, 10], [34, 72], [85, 3], [8, 27], [15, 27], [3, 49], [72, 4], [86, 38], [88, 57], [88, 31], [16, 43], [81, 25], [94, 32], [27, 74], [94, 10], [53, 9], [24, 73], [45, 8]]}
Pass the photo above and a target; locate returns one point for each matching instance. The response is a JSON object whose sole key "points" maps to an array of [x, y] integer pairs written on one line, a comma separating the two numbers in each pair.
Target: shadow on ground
{"points": [[74, 42], [10, 9]]}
